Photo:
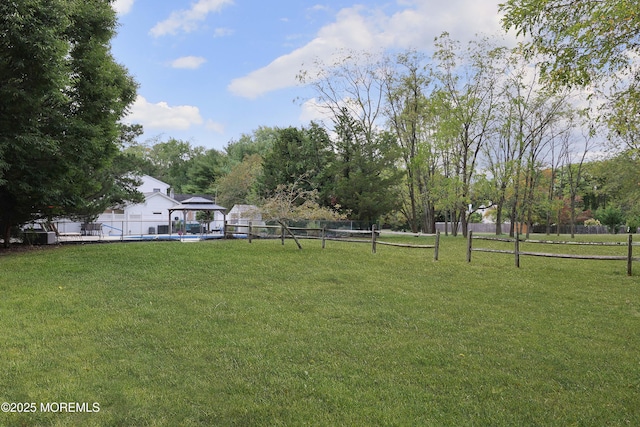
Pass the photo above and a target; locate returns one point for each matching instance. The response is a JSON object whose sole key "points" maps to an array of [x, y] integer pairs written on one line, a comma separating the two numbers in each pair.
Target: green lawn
{"points": [[232, 333]]}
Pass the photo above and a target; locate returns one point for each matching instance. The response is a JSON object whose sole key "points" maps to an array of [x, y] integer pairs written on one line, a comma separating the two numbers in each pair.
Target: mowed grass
{"points": [[232, 333]]}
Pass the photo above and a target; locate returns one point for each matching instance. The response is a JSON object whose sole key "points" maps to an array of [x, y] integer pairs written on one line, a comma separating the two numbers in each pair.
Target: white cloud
{"points": [[358, 28], [215, 126], [222, 32], [188, 20], [163, 116], [319, 8], [122, 7], [349, 31], [312, 111], [188, 62]]}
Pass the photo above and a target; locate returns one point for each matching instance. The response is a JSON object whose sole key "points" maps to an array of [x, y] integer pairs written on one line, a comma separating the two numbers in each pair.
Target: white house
{"points": [[152, 185], [148, 217], [152, 216]]}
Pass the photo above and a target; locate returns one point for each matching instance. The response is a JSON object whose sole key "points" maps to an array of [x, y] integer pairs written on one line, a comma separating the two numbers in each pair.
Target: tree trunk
{"points": [[573, 215], [6, 235], [429, 218], [464, 219], [499, 218]]}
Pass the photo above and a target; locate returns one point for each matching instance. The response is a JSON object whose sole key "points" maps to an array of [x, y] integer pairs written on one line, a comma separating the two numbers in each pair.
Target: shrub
{"points": [[612, 217]]}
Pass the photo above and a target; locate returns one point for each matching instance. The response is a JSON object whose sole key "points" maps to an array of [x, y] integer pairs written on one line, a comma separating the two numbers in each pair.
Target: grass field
{"points": [[232, 333]]}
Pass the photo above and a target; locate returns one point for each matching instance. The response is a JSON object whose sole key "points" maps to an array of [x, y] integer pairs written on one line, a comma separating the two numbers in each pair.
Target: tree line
{"points": [[404, 138], [409, 140]]}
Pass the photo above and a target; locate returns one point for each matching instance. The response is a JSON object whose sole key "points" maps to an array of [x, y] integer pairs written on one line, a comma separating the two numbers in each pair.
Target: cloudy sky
{"points": [[211, 70]]}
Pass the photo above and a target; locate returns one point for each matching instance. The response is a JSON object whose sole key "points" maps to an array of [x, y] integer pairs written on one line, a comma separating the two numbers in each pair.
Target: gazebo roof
{"points": [[197, 204]]}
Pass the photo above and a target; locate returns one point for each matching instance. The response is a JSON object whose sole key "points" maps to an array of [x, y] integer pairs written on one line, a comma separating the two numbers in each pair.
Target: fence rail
{"points": [[324, 234], [517, 252]]}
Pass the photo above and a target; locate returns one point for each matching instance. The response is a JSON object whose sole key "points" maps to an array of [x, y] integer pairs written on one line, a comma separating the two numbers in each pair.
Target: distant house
{"points": [[152, 216]]}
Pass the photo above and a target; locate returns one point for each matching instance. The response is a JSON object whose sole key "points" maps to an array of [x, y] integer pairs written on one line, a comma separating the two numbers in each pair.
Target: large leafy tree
{"points": [[587, 42], [61, 97], [469, 90], [406, 110], [169, 161], [239, 186], [579, 40], [204, 171], [259, 142]]}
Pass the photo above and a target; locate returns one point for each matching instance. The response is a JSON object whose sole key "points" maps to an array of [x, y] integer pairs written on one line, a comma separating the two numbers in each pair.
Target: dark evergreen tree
{"points": [[365, 171], [298, 155]]}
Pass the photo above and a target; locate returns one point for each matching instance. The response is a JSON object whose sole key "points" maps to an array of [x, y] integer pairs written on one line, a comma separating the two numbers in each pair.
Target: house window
{"points": [[156, 190]]}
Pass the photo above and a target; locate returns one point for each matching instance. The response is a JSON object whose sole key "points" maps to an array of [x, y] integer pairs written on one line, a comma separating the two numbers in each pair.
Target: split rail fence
{"points": [[518, 253], [328, 234]]}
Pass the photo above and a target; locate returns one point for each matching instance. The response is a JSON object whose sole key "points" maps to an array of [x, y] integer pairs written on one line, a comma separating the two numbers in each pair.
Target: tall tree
{"points": [[468, 81], [260, 142], [169, 161], [351, 93], [61, 97], [364, 171], [203, 172], [295, 153], [580, 43], [240, 186], [407, 113]]}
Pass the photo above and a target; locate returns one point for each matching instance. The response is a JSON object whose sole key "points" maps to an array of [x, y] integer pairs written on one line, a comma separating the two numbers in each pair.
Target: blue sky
{"points": [[211, 70]]}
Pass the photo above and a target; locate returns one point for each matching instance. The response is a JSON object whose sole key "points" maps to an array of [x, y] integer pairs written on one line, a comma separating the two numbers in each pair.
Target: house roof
{"points": [[146, 178], [159, 194]]}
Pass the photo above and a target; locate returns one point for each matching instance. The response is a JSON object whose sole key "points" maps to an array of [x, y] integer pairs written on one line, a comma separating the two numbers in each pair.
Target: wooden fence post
{"points": [[630, 256], [437, 248], [224, 229], [324, 235], [469, 239], [373, 239], [517, 250], [249, 233], [282, 233]]}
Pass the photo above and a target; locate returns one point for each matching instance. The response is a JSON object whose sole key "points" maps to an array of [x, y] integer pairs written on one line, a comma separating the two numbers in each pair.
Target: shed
{"points": [[244, 214]]}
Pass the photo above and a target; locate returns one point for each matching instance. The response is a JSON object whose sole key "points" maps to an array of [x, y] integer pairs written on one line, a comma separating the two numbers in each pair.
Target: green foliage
{"points": [[364, 171], [582, 43], [579, 40], [295, 153], [611, 216], [292, 202], [203, 172], [260, 143], [239, 186], [171, 160], [475, 217], [61, 97], [633, 223], [592, 222]]}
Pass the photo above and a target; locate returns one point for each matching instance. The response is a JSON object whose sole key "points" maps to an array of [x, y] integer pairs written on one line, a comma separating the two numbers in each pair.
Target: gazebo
{"points": [[195, 204]]}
